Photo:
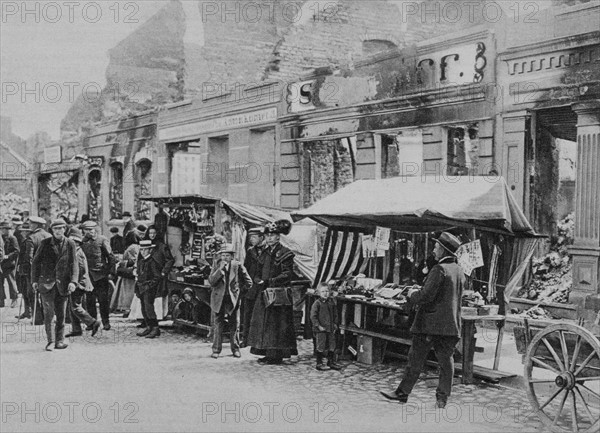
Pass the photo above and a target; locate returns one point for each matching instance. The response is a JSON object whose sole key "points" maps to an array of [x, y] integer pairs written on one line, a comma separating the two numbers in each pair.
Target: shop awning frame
{"points": [[423, 204]]}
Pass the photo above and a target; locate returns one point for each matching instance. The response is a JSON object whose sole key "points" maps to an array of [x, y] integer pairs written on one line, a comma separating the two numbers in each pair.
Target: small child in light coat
{"points": [[323, 315]]}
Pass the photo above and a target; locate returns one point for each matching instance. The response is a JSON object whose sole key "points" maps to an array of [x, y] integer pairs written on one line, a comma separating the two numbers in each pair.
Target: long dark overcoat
{"points": [[272, 330]]}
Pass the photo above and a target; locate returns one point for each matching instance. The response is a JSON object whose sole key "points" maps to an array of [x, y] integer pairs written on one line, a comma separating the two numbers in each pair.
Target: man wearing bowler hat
{"points": [[129, 223], [437, 322], [101, 265], [55, 274], [227, 279]]}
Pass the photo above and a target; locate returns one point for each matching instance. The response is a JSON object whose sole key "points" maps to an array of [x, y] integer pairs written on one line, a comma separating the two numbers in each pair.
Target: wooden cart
{"points": [[562, 376]]}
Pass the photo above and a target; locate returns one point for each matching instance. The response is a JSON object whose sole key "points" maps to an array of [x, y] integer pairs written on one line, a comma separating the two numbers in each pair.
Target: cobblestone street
{"points": [[119, 382]]}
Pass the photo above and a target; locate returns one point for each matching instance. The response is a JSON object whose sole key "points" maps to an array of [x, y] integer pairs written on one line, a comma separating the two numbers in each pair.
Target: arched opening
{"points": [[94, 190], [143, 187], [116, 190]]}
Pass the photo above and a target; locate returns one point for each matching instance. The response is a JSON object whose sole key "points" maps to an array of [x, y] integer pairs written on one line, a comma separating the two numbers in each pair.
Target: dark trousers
{"points": [[78, 314], [247, 308], [26, 292], [11, 278], [55, 305], [147, 303], [325, 342], [102, 293], [444, 349], [219, 325]]}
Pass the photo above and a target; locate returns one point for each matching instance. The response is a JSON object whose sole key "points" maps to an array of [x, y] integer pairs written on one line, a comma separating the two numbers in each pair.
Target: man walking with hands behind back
{"points": [[55, 274], [437, 322], [101, 265]]}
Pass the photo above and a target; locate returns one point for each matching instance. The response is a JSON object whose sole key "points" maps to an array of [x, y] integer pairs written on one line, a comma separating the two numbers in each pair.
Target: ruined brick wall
{"points": [[146, 69]]}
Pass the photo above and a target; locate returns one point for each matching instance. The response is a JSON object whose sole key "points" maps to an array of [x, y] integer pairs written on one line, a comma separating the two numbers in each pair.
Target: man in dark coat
{"points": [[117, 242], [32, 244], [227, 280], [253, 264], [23, 271], [272, 332], [162, 253], [55, 274], [84, 285], [129, 223], [149, 271], [102, 266], [437, 322], [8, 264]]}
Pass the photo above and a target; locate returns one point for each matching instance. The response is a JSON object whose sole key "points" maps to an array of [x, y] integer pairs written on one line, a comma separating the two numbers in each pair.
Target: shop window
{"points": [[143, 187], [116, 190], [94, 191], [463, 150], [185, 173], [329, 166], [410, 152]]}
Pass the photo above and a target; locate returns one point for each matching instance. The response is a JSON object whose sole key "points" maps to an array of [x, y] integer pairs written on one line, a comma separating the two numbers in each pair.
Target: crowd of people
{"points": [[73, 262]]}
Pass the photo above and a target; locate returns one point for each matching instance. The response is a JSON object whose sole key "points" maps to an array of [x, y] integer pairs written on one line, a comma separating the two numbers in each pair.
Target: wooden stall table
{"points": [[203, 294], [360, 316]]}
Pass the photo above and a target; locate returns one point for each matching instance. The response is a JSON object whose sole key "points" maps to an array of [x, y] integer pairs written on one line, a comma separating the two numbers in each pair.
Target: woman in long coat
{"points": [[125, 292], [272, 333]]}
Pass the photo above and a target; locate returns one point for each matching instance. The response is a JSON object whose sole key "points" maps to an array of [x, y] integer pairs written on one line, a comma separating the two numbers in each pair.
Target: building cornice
{"points": [[551, 45]]}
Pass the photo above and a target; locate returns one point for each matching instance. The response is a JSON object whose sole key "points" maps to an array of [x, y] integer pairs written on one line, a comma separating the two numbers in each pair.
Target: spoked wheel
{"points": [[562, 376]]}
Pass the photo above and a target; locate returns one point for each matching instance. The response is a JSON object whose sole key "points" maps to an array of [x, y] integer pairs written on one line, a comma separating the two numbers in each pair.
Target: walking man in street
{"points": [[228, 280], [84, 285], [55, 274], [23, 271], [32, 244], [253, 264], [437, 322], [101, 265], [8, 264]]}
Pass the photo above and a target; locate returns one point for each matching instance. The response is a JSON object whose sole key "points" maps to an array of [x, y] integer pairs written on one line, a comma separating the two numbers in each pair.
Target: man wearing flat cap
{"points": [[437, 322], [8, 264], [129, 223], [32, 244], [101, 266], [23, 271], [253, 264], [228, 279], [84, 285], [55, 275]]}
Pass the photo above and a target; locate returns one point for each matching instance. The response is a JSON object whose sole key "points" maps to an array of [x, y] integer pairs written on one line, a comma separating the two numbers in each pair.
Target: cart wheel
{"points": [[566, 359]]}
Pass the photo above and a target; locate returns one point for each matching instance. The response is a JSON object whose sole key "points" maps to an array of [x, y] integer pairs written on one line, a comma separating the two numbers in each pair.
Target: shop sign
{"points": [[223, 123], [53, 155], [470, 256]]}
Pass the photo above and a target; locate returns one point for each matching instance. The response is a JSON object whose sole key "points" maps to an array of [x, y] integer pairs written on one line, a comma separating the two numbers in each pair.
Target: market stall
{"points": [[377, 246], [196, 226]]}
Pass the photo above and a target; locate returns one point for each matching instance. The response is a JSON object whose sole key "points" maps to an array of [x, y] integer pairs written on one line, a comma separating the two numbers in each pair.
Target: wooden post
{"points": [[500, 325], [468, 346]]}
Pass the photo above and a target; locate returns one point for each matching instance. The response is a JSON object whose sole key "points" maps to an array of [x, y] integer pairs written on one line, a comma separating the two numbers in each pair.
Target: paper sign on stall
{"points": [[470, 256], [382, 240]]}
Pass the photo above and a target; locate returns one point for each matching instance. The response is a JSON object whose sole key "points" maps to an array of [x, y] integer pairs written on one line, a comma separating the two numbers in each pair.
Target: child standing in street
{"points": [[323, 315]]}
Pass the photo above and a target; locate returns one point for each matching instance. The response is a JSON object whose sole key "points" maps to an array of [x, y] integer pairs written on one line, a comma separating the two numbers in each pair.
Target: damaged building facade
{"points": [[519, 100]]}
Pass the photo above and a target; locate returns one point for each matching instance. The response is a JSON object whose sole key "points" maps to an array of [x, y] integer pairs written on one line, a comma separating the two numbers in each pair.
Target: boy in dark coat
{"points": [[323, 315], [149, 277]]}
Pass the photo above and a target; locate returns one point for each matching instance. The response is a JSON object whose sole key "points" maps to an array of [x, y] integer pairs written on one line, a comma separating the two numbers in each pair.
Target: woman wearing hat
{"points": [[437, 322], [272, 332]]}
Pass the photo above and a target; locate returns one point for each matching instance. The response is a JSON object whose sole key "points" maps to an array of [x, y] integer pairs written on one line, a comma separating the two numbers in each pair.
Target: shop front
{"points": [[120, 166], [423, 110], [225, 146]]}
